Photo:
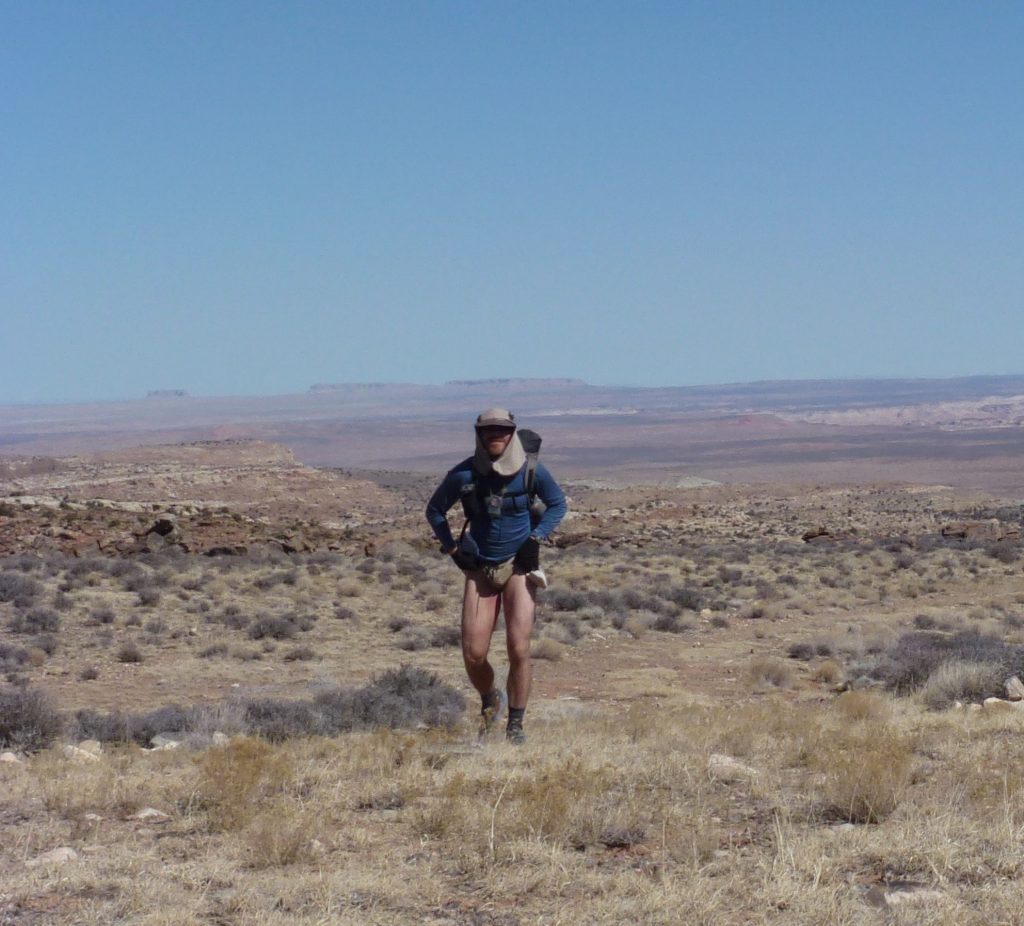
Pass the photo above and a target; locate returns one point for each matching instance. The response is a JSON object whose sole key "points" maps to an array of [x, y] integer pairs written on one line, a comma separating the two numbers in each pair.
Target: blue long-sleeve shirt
{"points": [[497, 539]]}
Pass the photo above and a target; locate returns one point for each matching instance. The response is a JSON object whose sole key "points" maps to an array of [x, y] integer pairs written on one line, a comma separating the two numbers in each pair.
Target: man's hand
{"points": [[528, 555], [464, 561]]}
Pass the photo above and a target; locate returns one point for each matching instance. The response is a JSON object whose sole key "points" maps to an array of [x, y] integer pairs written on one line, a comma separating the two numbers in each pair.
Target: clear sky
{"points": [[250, 197]]}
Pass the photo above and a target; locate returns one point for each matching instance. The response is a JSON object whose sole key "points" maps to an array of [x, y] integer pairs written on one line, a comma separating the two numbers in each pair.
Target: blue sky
{"points": [[250, 197]]}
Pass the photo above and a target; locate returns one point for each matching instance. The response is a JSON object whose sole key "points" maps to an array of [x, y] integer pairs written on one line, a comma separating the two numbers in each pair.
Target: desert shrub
{"points": [[413, 639], [366, 566], [759, 610], [801, 651], [274, 627], [129, 653], [46, 642], [436, 603], [149, 597], [104, 615], [38, 620], [300, 654], [214, 649], [730, 574], [592, 614], [281, 577], [961, 681], [400, 697], [446, 636], [350, 589], [1005, 551], [633, 599], [764, 670], [12, 657], [903, 559], [398, 623], [564, 599], [233, 618], [89, 674], [915, 656], [719, 621], [685, 597], [278, 720], [18, 589], [408, 567], [137, 580], [156, 626], [344, 613], [670, 623], [28, 719]]}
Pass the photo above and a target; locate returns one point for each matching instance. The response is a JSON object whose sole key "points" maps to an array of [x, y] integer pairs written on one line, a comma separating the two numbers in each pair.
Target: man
{"points": [[498, 553]]}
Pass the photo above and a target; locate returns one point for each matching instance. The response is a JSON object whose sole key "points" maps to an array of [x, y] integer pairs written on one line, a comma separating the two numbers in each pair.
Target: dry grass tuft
{"points": [[862, 706], [867, 772], [237, 780], [828, 672], [960, 681], [547, 648], [768, 671]]}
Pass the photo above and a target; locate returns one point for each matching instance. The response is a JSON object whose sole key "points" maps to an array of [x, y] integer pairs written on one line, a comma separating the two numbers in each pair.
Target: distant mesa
{"points": [[362, 387], [500, 383], [519, 382], [166, 394]]}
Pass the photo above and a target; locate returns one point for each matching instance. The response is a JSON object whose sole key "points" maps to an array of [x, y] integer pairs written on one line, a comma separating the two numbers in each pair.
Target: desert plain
{"points": [[771, 671]]}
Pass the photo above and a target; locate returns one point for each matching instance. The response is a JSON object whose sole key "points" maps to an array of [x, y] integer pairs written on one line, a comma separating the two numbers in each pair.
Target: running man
{"points": [[500, 556]]}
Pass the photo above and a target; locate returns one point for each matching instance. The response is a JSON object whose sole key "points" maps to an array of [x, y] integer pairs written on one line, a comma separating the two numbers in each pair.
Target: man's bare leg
{"points": [[480, 605], [520, 607]]}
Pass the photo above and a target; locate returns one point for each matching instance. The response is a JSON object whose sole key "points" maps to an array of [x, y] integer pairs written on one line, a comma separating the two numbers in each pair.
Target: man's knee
{"points": [[518, 650], [474, 653]]}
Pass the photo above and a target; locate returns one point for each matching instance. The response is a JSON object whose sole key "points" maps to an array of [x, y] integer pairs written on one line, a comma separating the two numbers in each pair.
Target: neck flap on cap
{"points": [[508, 464]]}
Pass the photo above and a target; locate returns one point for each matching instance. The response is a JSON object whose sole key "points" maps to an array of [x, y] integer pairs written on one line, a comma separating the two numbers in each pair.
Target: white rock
{"points": [[10, 758], [1014, 689], [166, 747], [79, 755], [220, 739], [912, 898], [93, 746], [998, 704], [164, 740], [725, 768], [150, 815], [59, 856], [93, 818]]}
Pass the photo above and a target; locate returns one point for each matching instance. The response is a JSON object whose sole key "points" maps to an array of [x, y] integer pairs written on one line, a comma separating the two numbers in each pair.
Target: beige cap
{"points": [[496, 418]]}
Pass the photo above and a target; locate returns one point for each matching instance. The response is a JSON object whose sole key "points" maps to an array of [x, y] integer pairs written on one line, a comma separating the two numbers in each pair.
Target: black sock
{"points": [[515, 716]]}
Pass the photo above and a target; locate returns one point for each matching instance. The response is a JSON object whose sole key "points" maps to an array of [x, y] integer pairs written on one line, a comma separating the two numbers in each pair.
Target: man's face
{"points": [[495, 439]]}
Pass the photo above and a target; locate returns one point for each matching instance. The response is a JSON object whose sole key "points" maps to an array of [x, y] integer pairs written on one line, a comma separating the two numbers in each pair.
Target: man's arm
{"points": [[444, 497], [549, 492]]}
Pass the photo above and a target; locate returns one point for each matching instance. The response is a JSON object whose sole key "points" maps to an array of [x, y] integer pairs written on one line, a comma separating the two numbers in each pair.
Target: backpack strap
{"points": [[531, 444]]}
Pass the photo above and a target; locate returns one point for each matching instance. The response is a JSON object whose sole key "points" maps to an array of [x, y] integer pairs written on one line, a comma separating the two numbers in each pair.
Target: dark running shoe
{"points": [[494, 709], [514, 734]]}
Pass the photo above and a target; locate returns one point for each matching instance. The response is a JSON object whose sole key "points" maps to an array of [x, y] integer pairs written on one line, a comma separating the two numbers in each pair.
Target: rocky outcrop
{"points": [[991, 529]]}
